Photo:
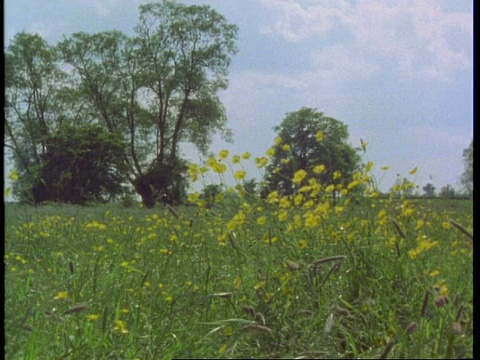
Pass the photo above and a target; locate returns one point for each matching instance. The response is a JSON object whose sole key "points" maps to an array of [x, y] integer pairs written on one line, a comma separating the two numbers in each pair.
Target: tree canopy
{"points": [[310, 141], [156, 89], [81, 164]]}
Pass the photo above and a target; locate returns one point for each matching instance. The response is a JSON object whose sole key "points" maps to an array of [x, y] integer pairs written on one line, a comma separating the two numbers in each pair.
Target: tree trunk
{"points": [[142, 186]]}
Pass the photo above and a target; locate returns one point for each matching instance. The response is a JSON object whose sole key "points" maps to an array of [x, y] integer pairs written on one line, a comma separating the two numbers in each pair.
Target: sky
{"points": [[399, 74]]}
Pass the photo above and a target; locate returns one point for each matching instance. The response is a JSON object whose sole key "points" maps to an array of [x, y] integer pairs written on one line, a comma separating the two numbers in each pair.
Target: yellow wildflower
{"points": [[369, 166], [13, 175], [283, 215], [319, 169], [434, 273], [299, 176], [302, 244], [223, 154], [262, 220], [240, 174], [120, 327], [223, 349], [62, 295]]}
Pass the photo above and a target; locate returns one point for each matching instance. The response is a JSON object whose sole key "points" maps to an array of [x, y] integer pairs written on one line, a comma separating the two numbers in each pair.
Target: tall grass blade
{"points": [[463, 230]]}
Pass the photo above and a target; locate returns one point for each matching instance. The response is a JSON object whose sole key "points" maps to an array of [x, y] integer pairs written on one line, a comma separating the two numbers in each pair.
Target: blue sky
{"points": [[398, 73]]}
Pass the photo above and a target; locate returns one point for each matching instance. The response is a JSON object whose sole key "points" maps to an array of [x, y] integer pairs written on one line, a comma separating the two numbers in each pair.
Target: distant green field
{"points": [[286, 277]]}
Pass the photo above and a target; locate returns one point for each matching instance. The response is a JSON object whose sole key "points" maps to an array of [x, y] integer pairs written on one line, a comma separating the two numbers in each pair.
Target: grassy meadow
{"points": [[295, 276]]}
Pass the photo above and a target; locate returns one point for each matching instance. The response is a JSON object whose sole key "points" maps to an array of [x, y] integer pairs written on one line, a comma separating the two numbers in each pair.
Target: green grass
{"points": [[112, 283], [286, 277]]}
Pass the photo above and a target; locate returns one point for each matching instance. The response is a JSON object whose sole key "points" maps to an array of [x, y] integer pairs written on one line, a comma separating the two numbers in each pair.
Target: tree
{"points": [[309, 139], [467, 177], [251, 188], [429, 190], [158, 88], [447, 192], [210, 192], [80, 165], [33, 84]]}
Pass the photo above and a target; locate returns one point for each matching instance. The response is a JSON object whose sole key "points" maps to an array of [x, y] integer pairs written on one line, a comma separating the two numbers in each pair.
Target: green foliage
{"points": [[80, 164], [467, 176], [109, 282], [288, 276], [447, 192], [307, 138], [210, 192], [157, 89], [429, 190], [32, 112]]}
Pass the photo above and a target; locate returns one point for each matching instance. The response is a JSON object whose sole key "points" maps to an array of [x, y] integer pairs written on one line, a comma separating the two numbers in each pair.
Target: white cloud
{"points": [[440, 138], [411, 35], [104, 8], [297, 24], [339, 62]]}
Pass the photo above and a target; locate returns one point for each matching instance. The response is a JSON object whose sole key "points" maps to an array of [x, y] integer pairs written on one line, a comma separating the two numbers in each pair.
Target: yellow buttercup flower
{"points": [[299, 176], [246, 155], [62, 295], [223, 154], [270, 152], [262, 220], [223, 349], [240, 174], [120, 327], [434, 273], [369, 166], [220, 168], [302, 244], [13, 175], [319, 169]]}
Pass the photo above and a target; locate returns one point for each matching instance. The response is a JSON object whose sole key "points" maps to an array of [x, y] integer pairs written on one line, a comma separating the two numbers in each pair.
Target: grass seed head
{"points": [[258, 328], [441, 301], [424, 304], [456, 328], [259, 318], [387, 349], [292, 266], [249, 310], [412, 327], [341, 311], [76, 308], [398, 228]]}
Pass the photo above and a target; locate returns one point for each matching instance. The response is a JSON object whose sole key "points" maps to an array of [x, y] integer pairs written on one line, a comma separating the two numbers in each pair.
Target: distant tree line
{"points": [[466, 181]]}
